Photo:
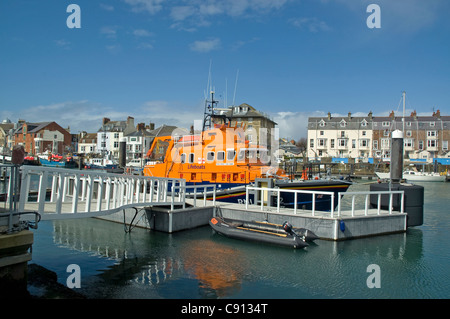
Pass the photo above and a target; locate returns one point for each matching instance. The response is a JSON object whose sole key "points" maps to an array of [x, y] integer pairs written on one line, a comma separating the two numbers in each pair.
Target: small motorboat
{"points": [[284, 235]]}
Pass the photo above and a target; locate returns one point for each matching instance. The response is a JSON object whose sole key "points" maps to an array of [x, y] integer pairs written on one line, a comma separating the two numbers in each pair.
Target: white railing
{"points": [[366, 201], [264, 191], [68, 190], [9, 196], [182, 194], [268, 193]]}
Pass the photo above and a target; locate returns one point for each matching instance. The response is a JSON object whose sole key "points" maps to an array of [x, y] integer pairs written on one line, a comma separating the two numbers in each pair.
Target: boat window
{"points": [[241, 155], [191, 158], [210, 156], [221, 156], [251, 154], [230, 155], [183, 158], [263, 156]]}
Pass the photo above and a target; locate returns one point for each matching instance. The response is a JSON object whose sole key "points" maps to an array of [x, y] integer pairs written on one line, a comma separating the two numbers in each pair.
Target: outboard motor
{"points": [[288, 229]]}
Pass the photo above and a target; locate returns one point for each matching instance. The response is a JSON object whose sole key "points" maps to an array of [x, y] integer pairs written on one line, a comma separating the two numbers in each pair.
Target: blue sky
{"points": [[150, 59]]}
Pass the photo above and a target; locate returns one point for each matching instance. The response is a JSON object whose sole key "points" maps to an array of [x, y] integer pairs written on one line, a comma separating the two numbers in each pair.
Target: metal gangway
{"points": [[59, 193]]}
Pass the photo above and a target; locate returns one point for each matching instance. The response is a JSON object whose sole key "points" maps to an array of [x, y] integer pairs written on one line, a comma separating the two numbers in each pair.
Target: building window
{"points": [[311, 143], [363, 133], [432, 124], [431, 133], [445, 145], [342, 142], [321, 142], [385, 143], [342, 133], [353, 143], [116, 135], [343, 123], [321, 133], [116, 144], [363, 143], [420, 145], [385, 124], [408, 133], [409, 142], [375, 145], [432, 143], [332, 143], [386, 133]]}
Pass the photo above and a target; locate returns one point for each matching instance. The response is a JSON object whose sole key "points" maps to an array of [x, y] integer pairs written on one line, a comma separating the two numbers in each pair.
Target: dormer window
{"points": [[364, 123], [322, 123], [343, 123]]}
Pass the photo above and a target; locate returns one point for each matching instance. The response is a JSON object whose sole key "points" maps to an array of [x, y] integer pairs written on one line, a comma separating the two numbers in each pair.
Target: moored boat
{"points": [[416, 176], [284, 235], [220, 155]]}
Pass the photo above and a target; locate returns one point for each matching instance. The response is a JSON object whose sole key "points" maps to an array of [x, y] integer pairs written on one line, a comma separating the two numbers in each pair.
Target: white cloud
{"points": [[106, 7], [142, 33], [150, 6], [180, 13], [293, 125], [205, 46], [109, 31], [63, 43], [313, 25]]}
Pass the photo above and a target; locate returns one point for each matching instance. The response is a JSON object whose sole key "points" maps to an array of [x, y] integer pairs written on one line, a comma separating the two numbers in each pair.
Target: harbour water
{"points": [[199, 264]]}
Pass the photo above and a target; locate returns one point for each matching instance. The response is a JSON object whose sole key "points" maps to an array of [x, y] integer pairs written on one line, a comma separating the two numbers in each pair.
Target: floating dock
{"points": [[348, 224]]}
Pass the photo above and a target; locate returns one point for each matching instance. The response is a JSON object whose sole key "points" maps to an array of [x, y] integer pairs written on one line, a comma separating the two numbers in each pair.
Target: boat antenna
{"points": [[209, 112], [235, 85]]}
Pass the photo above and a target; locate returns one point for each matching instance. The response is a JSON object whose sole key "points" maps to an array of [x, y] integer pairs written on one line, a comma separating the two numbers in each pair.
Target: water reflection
{"points": [[201, 264], [217, 267]]}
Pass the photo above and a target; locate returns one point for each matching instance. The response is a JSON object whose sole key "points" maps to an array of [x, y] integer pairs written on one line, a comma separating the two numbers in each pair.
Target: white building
{"points": [[340, 137], [87, 143], [110, 134]]}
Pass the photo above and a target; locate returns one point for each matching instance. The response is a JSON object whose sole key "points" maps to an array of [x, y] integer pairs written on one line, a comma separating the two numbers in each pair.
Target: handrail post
{"points": [[332, 205], [278, 200], [339, 204], [172, 198], [313, 203], [246, 197], [295, 202]]}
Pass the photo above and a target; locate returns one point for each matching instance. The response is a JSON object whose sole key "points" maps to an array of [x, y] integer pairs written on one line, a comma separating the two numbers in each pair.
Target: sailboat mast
{"points": [[403, 119]]}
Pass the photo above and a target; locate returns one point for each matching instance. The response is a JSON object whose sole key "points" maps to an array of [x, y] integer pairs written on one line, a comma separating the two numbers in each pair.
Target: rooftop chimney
{"points": [[329, 115], [105, 120]]}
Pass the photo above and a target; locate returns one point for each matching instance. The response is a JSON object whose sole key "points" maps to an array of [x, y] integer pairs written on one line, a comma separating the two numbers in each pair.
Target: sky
{"points": [[152, 59]]}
